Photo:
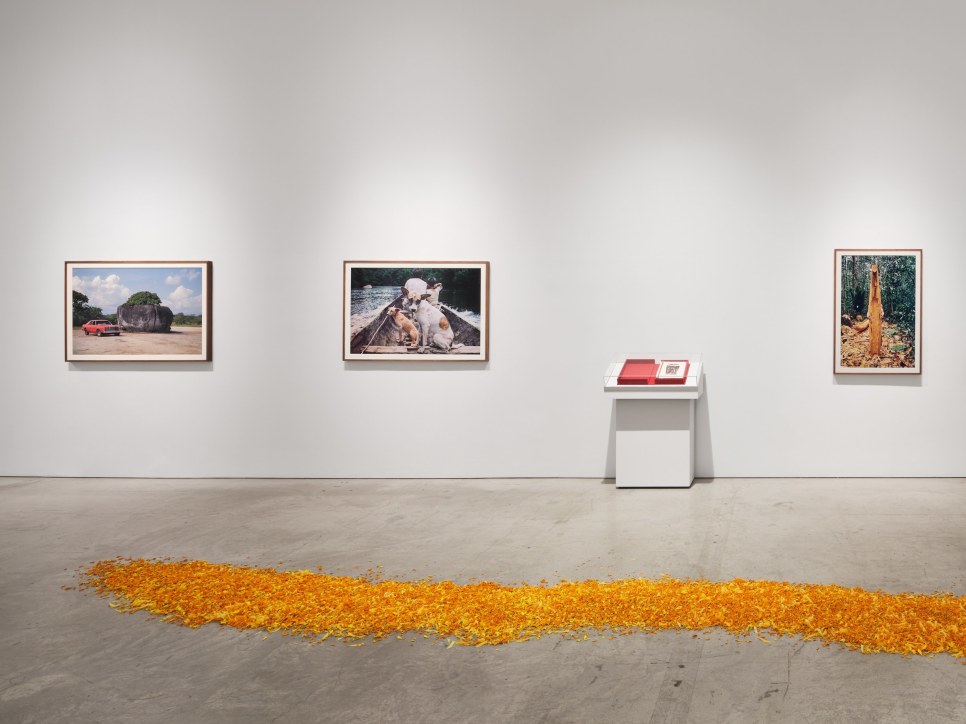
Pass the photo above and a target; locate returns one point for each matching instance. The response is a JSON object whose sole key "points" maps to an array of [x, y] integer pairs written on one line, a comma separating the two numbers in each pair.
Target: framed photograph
{"points": [[878, 311], [416, 311], [136, 311]]}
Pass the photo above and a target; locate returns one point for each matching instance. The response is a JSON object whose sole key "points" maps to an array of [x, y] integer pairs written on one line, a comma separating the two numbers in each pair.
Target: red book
{"points": [[638, 372]]}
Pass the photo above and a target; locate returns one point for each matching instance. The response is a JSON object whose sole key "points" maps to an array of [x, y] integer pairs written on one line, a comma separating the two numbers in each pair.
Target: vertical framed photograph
{"points": [[878, 311], [136, 311], [413, 311]]}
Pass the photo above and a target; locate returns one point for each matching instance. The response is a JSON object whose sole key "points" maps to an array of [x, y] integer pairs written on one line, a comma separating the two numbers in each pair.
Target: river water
{"points": [[365, 303]]}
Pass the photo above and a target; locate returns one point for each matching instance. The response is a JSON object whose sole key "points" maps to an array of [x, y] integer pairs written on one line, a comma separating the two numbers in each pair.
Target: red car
{"points": [[100, 327]]}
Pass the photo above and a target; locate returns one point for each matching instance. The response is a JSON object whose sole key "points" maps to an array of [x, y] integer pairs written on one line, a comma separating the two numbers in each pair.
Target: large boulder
{"points": [[144, 317]]}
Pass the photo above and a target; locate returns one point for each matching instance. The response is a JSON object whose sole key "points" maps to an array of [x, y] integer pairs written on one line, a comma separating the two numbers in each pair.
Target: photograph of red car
{"points": [[100, 327], [126, 311]]}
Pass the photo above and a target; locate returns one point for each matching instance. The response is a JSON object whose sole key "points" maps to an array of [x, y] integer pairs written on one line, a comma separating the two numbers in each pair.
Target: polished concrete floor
{"points": [[65, 656]]}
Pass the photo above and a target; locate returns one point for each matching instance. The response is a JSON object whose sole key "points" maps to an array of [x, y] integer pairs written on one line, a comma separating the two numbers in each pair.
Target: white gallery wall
{"points": [[643, 177]]}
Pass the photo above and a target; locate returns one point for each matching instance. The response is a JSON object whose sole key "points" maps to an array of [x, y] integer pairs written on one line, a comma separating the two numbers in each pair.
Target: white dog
{"points": [[434, 327]]}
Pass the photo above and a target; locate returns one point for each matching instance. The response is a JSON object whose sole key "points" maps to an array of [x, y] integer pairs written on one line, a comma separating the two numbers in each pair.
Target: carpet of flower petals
{"points": [[318, 605]]}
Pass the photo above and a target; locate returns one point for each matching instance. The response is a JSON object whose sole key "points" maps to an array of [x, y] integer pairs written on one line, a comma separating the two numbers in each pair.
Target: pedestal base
{"points": [[655, 443]]}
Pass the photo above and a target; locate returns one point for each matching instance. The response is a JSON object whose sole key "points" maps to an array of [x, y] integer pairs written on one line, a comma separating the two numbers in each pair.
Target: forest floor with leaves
{"points": [[897, 348]]}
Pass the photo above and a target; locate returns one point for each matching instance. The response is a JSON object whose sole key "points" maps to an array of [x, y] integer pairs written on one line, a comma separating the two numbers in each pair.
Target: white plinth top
{"points": [[691, 389]]}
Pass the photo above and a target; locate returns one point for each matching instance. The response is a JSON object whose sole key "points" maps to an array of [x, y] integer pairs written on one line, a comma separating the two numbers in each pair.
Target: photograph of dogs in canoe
{"points": [[878, 318], [415, 311]]}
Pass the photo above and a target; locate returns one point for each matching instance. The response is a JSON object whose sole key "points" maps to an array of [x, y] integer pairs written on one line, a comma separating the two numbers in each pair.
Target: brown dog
{"points": [[404, 323]]}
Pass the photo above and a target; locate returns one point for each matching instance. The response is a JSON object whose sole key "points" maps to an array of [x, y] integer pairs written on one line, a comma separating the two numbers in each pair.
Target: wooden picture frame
{"points": [[878, 311], [137, 311], [415, 311]]}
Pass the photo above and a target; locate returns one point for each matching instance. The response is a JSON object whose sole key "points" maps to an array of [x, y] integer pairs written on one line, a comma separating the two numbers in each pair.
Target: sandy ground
{"points": [[180, 340]]}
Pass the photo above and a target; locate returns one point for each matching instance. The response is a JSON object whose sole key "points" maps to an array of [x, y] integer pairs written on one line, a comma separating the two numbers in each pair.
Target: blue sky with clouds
{"points": [[107, 287]]}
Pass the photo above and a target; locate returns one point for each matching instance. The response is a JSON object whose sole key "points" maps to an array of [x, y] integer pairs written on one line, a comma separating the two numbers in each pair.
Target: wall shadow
{"points": [[141, 366], [402, 366], [703, 448], [703, 444], [877, 380], [610, 458]]}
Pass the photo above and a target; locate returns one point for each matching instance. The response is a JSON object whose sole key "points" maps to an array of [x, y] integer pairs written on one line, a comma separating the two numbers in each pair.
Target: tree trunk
{"points": [[875, 312]]}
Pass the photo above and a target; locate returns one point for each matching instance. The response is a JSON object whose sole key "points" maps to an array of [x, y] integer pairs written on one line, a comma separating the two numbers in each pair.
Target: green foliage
{"points": [[463, 278], [79, 300], [463, 282], [82, 311], [144, 298], [897, 278], [186, 320], [380, 277], [859, 303]]}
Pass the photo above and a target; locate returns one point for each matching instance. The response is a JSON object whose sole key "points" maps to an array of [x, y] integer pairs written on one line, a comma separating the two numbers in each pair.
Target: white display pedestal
{"points": [[655, 428]]}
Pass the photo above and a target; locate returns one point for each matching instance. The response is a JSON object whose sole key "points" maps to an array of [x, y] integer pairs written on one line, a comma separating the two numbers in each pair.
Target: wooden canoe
{"points": [[382, 335]]}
